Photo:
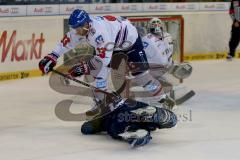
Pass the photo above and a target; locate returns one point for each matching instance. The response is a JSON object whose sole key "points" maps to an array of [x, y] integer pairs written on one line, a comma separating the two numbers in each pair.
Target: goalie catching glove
{"points": [[48, 62], [181, 71]]}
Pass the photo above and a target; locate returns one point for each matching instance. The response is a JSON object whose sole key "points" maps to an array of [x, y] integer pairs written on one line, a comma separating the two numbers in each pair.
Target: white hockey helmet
{"points": [[155, 26]]}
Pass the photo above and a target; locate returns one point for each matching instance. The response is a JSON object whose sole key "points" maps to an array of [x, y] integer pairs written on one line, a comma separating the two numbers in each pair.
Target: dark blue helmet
{"points": [[78, 18]]}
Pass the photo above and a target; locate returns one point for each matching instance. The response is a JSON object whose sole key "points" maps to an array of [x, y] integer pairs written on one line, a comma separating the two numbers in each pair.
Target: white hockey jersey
{"points": [[158, 50], [106, 34]]}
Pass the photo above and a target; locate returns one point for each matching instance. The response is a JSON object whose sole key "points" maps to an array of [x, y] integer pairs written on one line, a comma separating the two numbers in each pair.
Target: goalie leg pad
{"points": [[149, 83]]}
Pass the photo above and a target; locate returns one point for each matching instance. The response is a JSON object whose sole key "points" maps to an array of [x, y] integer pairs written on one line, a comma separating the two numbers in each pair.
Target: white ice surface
{"points": [[29, 129]]}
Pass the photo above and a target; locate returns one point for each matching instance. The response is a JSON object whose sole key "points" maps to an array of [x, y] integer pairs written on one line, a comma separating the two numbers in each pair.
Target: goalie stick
{"points": [[184, 98], [114, 96]]}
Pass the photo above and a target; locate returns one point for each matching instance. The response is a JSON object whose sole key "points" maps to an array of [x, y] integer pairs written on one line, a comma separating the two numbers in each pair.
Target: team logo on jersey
{"points": [[145, 44], [102, 52], [99, 40]]}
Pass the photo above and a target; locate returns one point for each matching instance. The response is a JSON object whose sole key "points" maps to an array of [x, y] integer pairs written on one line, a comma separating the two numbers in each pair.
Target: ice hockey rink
{"points": [[209, 128]]}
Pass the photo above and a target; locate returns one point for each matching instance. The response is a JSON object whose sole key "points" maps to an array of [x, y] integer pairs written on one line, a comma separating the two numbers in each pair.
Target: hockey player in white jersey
{"points": [[108, 35], [158, 46]]}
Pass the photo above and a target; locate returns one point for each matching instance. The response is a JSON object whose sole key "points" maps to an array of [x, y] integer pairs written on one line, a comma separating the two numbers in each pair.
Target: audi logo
{"points": [[14, 10]]}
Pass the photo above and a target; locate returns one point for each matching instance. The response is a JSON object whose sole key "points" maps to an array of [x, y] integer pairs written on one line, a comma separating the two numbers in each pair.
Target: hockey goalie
{"points": [[158, 46]]}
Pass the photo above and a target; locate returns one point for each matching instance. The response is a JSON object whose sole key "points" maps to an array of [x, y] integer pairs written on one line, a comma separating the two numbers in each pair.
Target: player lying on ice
{"points": [[132, 121], [108, 35]]}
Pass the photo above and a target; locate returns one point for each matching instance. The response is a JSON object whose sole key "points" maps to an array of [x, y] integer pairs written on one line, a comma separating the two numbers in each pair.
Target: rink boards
{"points": [[25, 40]]}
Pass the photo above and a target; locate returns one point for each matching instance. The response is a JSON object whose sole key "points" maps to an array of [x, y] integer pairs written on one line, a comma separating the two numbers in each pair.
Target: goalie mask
{"points": [[156, 26]]}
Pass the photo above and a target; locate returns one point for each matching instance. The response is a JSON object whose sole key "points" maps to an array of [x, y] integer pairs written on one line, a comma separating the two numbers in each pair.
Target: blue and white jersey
{"points": [[106, 34], [158, 50]]}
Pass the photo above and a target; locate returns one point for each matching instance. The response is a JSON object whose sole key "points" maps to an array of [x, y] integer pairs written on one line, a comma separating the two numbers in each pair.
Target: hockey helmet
{"points": [[155, 26], [78, 18]]}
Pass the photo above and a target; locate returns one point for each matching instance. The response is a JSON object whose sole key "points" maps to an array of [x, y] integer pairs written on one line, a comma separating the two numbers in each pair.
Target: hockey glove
{"points": [[114, 101], [137, 142], [136, 138], [48, 62], [79, 70]]}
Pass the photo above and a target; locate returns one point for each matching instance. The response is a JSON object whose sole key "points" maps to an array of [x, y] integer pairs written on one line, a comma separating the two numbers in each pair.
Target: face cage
{"points": [[157, 30]]}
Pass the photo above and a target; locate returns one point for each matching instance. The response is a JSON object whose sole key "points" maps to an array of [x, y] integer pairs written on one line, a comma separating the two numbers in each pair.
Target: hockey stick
{"points": [[93, 88], [184, 98], [88, 85], [115, 97], [76, 80]]}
